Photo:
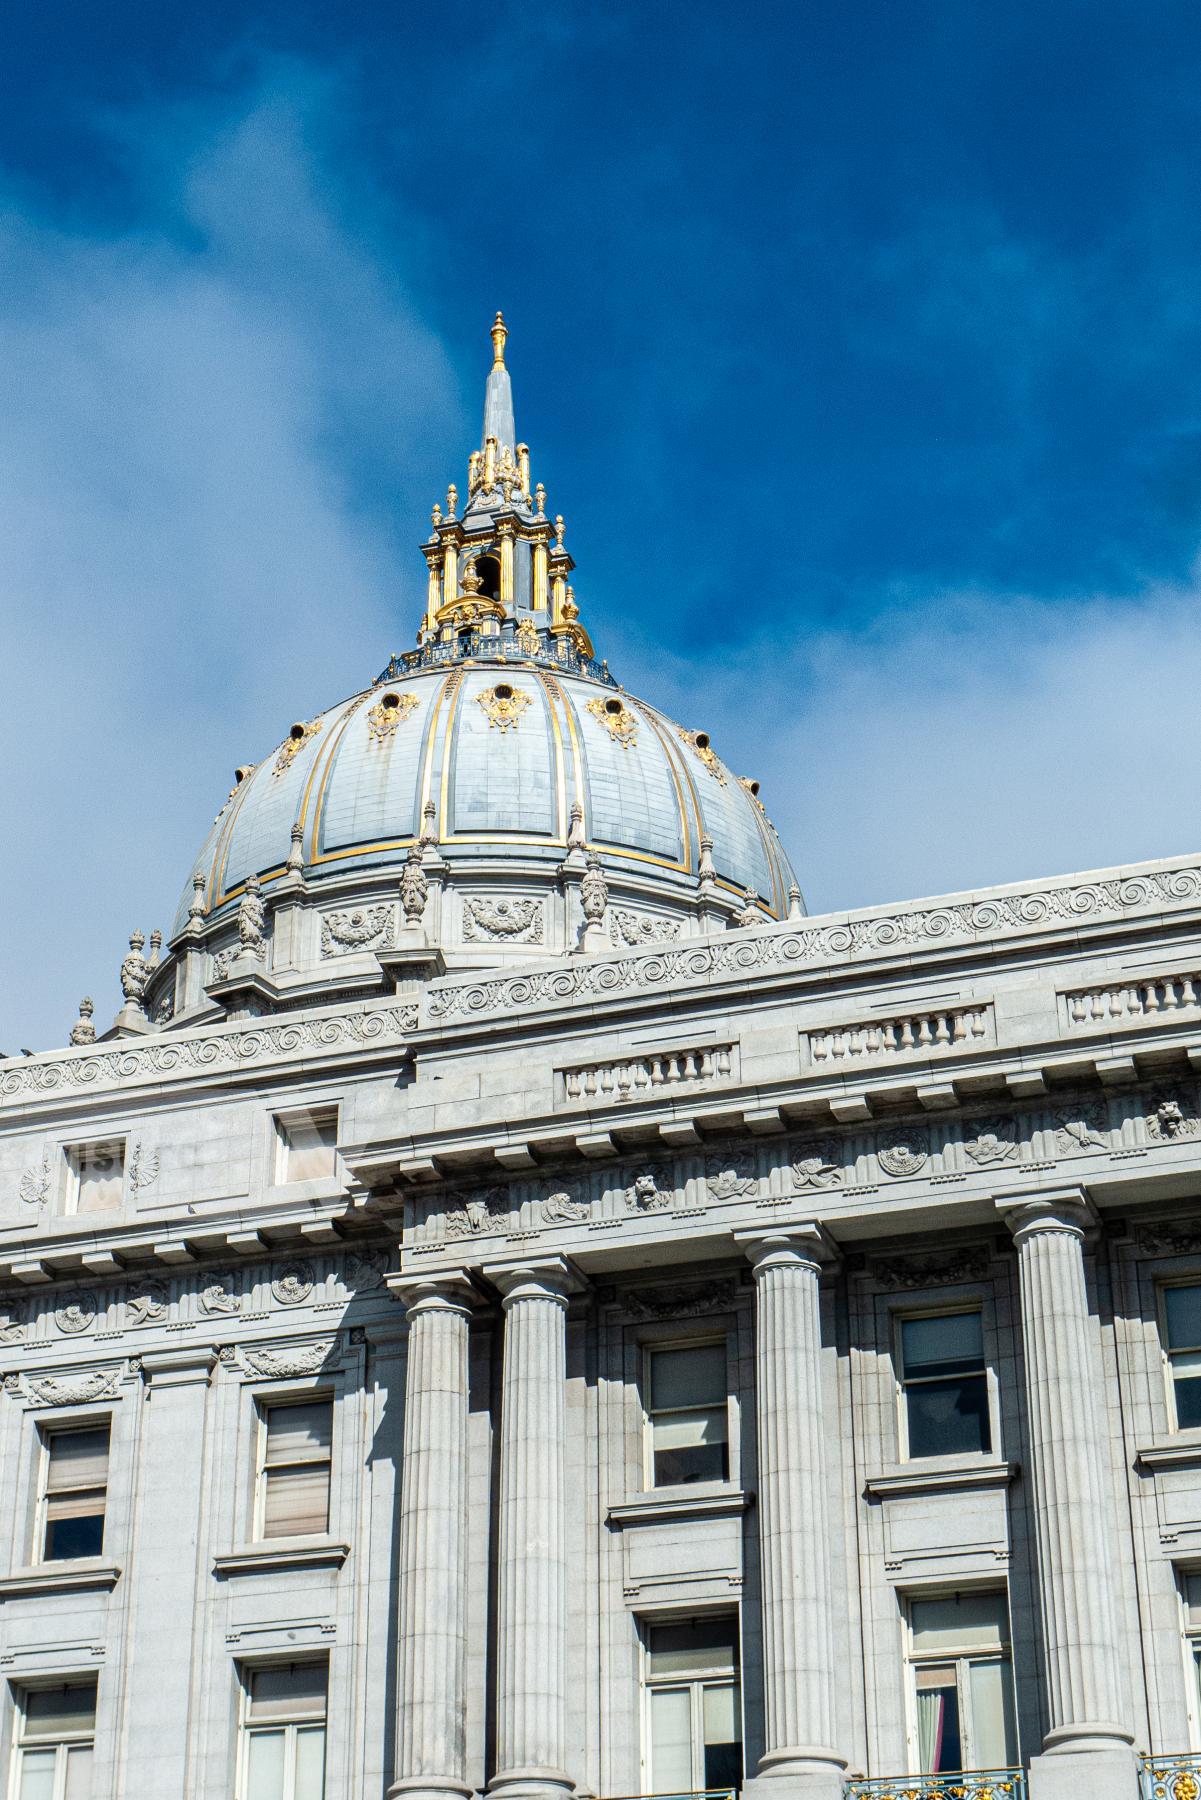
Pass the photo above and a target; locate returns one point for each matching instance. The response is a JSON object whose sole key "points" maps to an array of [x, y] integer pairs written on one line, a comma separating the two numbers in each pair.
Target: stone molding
{"points": [[218, 1051], [967, 919]]}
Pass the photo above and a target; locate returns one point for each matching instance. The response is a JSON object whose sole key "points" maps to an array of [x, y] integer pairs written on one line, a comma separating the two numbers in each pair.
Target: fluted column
{"points": [[531, 1621], [798, 1631], [1074, 1523], [431, 1686]]}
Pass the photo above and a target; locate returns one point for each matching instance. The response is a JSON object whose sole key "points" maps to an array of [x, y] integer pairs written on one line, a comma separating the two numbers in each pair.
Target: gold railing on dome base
{"points": [[957, 1784], [1171, 1777]]}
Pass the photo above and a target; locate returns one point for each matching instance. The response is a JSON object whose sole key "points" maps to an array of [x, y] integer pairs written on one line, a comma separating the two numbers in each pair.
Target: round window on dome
{"points": [[503, 691], [391, 701], [701, 740], [613, 706], [297, 733]]}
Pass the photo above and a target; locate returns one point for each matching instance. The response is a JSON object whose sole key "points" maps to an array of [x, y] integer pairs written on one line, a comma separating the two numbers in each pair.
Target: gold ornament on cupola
{"points": [[498, 568]]}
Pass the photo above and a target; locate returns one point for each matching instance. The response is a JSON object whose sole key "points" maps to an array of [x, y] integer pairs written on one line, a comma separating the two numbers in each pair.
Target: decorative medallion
{"points": [[645, 1195], [76, 1312], [1171, 1118], [35, 1182], [729, 1176], [142, 1168], [817, 1163], [618, 720], [295, 742], [990, 1141], [504, 705], [293, 1283], [704, 751], [367, 928], [906, 1152], [514, 921], [641, 928], [560, 1209], [1082, 1127], [148, 1305], [388, 712], [486, 1210], [217, 1296]]}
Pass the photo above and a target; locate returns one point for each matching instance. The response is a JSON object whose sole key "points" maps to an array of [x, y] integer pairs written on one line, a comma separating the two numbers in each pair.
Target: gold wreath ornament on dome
{"points": [[618, 720], [699, 741], [503, 704], [387, 713], [295, 742]]}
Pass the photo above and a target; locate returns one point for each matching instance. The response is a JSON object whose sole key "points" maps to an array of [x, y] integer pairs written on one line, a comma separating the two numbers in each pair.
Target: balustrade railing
{"points": [[1145, 998], [502, 647], [637, 1075], [958, 1784], [1171, 1777], [909, 1034]]}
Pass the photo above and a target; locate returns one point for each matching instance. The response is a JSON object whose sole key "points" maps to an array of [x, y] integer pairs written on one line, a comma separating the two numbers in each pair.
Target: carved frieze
{"points": [[219, 1297], [147, 1303], [365, 928], [644, 1195], [731, 1175], [287, 1362], [365, 1269], [76, 1312], [558, 1208], [634, 929], [293, 1282], [817, 1163], [513, 921], [924, 1270], [1172, 1116], [1081, 1126], [990, 1141], [1169, 1240], [487, 1209], [683, 1300], [71, 1390]]}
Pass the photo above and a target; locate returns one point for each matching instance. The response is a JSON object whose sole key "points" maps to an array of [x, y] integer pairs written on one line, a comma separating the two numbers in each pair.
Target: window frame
{"points": [[648, 1349], [1190, 1640], [47, 1430], [899, 1317], [71, 1155], [265, 1401], [323, 1111], [291, 1725], [19, 1692], [1161, 1316], [963, 1659], [694, 1682]]}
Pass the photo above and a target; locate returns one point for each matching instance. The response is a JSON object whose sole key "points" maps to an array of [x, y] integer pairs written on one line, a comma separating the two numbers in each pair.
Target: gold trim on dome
{"points": [[388, 712], [503, 704], [704, 751], [293, 744], [618, 720]]}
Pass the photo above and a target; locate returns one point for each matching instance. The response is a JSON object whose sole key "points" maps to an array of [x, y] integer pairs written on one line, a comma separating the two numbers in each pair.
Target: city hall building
{"points": [[513, 1305]]}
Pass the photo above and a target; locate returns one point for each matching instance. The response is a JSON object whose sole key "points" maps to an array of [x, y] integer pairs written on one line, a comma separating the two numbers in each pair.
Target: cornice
{"points": [[971, 920]]}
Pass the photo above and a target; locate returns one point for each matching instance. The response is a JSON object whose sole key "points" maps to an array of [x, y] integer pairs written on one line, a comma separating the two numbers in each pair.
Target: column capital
{"points": [[441, 1290], [1031, 1212], [534, 1278], [804, 1244]]}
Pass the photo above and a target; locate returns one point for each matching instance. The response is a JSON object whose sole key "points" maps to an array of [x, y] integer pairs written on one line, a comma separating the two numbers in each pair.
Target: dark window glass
{"points": [[946, 1389], [1182, 1316], [76, 1488]]}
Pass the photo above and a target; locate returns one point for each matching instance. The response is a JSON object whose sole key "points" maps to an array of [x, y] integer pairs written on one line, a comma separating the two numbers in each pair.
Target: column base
{"points": [[797, 1774], [429, 1787], [534, 1783], [1098, 1761]]}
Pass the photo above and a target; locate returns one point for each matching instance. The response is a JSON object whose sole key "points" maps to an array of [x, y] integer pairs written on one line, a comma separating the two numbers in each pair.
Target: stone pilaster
{"points": [[531, 1623], [798, 1631], [431, 1745], [163, 1569], [1087, 1749]]}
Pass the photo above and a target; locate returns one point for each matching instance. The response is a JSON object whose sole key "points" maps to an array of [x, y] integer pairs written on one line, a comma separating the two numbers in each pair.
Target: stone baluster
{"points": [[1087, 1749], [531, 1626], [431, 1686], [798, 1631]]}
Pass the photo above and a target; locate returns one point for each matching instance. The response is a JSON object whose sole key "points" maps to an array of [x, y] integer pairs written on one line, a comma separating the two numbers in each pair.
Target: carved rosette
{"points": [[76, 1312], [904, 1152], [293, 1282]]}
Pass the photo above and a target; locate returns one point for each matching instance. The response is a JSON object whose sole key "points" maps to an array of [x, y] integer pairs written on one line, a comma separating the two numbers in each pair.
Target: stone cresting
{"points": [[184, 1056], [736, 953]]}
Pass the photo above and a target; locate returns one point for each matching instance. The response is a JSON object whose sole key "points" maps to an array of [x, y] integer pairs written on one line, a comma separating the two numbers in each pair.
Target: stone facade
{"points": [[355, 1265]]}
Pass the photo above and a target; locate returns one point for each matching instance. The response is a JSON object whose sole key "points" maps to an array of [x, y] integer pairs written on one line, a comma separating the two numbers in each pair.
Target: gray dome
{"points": [[502, 748]]}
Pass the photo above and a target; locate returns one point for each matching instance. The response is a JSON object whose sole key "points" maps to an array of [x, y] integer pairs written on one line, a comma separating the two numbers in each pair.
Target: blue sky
{"points": [[860, 345]]}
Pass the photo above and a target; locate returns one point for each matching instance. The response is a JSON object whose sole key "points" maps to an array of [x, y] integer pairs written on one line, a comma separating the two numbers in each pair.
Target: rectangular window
{"points": [[283, 1732], [55, 1730], [694, 1706], [1182, 1332], [945, 1385], [74, 1487], [689, 1414], [307, 1145], [97, 1175], [962, 1683], [1190, 1583], [295, 1474]]}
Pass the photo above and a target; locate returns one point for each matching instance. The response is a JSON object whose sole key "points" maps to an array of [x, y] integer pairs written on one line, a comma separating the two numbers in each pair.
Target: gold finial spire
{"points": [[500, 332]]}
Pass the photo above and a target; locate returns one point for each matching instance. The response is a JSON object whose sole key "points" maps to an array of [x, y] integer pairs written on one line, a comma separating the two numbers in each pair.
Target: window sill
{"points": [[946, 1476], [75, 1576], [707, 1500], [1182, 1452], [282, 1553]]}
